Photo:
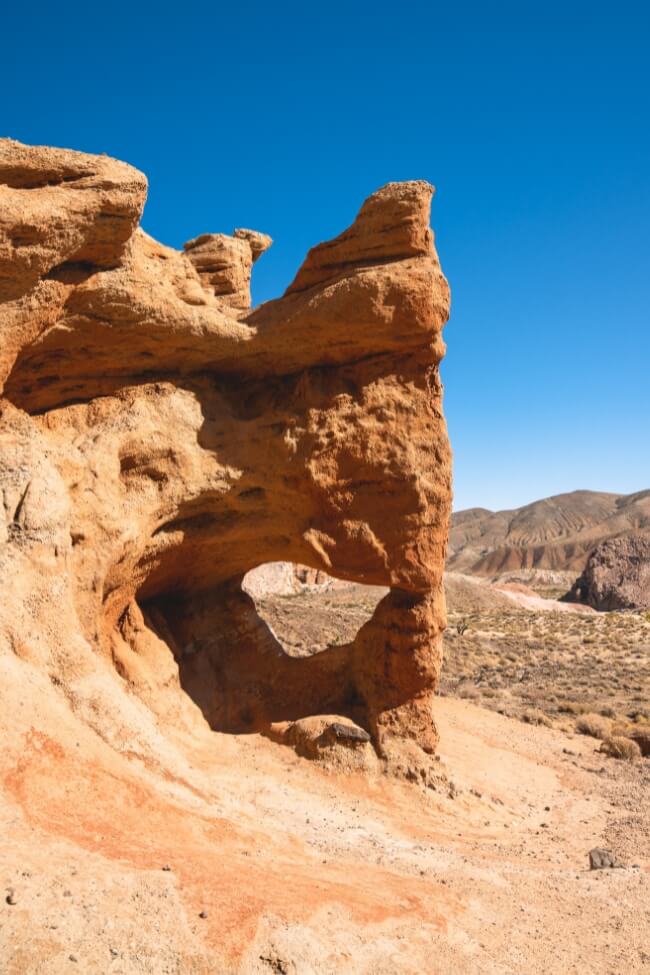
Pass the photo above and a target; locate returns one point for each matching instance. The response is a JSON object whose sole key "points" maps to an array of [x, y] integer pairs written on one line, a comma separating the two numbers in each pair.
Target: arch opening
{"points": [[307, 610], [277, 645]]}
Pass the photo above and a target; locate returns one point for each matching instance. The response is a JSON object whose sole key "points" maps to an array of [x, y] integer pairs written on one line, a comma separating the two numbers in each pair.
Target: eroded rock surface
{"points": [[224, 263], [617, 575], [158, 440]]}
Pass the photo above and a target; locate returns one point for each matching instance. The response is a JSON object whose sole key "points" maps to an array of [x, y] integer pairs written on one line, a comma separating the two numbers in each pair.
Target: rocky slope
{"points": [[252, 860], [552, 535]]}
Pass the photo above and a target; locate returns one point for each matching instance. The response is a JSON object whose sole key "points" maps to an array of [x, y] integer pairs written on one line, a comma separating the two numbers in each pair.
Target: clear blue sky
{"points": [[533, 121]]}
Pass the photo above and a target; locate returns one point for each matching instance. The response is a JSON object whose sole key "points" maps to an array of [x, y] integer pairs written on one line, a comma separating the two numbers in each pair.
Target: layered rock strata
{"points": [[158, 440]]}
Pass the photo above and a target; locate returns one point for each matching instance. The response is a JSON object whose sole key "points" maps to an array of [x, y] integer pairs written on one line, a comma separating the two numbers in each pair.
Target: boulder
{"points": [[617, 575], [600, 859]]}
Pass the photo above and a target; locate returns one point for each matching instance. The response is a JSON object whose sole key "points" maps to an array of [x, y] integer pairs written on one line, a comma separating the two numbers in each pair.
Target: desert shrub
{"points": [[619, 747], [535, 716], [620, 729], [594, 724], [469, 692], [570, 707], [641, 735]]}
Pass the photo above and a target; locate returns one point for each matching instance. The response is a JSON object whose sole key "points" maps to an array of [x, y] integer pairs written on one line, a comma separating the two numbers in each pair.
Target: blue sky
{"points": [[531, 119]]}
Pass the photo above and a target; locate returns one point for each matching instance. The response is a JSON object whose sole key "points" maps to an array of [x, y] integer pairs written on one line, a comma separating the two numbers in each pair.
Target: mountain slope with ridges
{"points": [[556, 533]]}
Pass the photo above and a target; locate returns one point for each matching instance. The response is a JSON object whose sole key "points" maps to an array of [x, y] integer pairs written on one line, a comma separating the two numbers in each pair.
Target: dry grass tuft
{"points": [[595, 725], [535, 716], [617, 747], [565, 665]]}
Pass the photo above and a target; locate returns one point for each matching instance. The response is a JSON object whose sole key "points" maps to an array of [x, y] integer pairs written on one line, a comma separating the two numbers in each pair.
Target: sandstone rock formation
{"points": [[224, 263], [617, 575], [158, 440]]}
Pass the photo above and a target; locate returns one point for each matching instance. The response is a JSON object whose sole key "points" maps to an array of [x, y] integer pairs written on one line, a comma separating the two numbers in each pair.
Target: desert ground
{"points": [[506, 648], [303, 867]]}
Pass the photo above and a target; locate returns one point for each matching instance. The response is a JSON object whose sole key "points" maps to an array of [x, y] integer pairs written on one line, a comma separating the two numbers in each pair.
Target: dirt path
{"points": [[530, 600]]}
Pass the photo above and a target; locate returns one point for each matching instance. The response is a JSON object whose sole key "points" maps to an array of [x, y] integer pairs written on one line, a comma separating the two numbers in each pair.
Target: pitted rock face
{"points": [[617, 575], [158, 440], [224, 263]]}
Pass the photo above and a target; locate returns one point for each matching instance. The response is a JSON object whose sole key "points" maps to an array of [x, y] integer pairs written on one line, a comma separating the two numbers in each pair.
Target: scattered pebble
{"points": [[203, 915]]}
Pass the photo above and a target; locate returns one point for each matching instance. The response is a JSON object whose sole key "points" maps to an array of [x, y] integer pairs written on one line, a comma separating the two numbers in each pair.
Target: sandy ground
{"points": [[528, 599], [300, 870], [511, 651], [310, 620]]}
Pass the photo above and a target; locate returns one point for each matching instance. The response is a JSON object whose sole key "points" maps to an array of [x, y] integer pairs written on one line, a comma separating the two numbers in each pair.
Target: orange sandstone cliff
{"points": [[158, 439]]}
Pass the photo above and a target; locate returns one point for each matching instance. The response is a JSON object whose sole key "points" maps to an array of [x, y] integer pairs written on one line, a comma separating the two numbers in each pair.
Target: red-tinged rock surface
{"points": [[224, 263], [158, 442]]}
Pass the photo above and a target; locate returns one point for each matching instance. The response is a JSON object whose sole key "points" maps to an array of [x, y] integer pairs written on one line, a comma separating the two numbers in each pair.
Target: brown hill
{"points": [[555, 533]]}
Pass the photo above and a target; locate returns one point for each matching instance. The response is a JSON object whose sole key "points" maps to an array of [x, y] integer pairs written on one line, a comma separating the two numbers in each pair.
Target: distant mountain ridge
{"points": [[556, 533]]}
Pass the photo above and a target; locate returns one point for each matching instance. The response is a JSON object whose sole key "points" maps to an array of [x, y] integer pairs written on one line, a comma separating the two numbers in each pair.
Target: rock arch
{"points": [[183, 439]]}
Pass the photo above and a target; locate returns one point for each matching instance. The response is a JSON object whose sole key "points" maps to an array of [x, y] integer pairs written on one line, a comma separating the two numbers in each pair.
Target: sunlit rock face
{"points": [[159, 439]]}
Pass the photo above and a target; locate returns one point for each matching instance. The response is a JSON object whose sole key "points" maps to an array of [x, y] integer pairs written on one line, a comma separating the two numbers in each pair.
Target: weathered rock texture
{"points": [[157, 441], [224, 263], [617, 575]]}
